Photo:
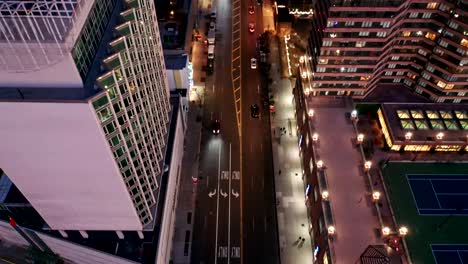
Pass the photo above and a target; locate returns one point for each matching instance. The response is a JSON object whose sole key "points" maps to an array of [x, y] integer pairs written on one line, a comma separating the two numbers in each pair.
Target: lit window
{"points": [[363, 34], [437, 124], [422, 52], [453, 25], [432, 5], [443, 43], [349, 23], [417, 114], [323, 61], [360, 44], [441, 84], [438, 51], [461, 114], [430, 35], [446, 114], [432, 114], [464, 43], [421, 124], [367, 24], [385, 24], [406, 33], [449, 86], [464, 124], [450, 124], [407, 124], [403, 113], [426, 15], [381, 34]]}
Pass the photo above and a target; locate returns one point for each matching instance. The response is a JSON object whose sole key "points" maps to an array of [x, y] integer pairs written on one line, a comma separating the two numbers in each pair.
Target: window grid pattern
{"points": [[433, 119], [406, 34], [136, 114], [87, 43]]}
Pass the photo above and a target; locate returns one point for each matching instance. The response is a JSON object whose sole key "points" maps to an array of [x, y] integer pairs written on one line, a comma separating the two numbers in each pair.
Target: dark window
{"points": [[189, 218]]}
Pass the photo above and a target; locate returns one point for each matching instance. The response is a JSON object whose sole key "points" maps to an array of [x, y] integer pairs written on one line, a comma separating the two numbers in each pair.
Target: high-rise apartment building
{"points": [[84, 110], [358, 45]]}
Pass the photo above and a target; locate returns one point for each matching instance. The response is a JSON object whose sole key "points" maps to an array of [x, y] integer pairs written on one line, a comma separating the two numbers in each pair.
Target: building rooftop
{"points": [[173, 29], [71, 94], [426, 120], [176, 61], [354, 218], [131, 247], [394, 93]]}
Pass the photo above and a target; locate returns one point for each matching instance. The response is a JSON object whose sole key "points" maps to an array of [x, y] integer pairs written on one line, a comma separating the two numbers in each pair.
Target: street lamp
{"points": [[331, 230], [375, 196], [311, 113], [315, 137], [360, 138], [403, 231], [440, 136], [386, 231], [367, 165], [408, 135], [325, 195], [320, 164], [354, 114]]}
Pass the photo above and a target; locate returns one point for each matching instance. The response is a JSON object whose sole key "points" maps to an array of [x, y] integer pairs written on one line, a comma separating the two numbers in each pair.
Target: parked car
{"points": [[253, 63]]}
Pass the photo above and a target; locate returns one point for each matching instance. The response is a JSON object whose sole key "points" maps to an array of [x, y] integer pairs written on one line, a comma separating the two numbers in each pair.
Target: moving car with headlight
{"points": [[216, 127]]}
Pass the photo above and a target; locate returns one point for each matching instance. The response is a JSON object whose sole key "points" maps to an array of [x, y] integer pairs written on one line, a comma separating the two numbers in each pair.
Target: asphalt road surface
{"points": [[260, 239], [223, 197], [217, 227]]}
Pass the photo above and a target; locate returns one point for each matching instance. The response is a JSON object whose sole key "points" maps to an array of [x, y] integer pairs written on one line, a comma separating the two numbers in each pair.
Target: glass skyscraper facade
{"points": [[134, 110]]}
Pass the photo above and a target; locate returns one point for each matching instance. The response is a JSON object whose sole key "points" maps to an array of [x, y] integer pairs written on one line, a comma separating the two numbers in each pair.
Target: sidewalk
{"points": [[185, 210], [183, 228], [291, 209]]}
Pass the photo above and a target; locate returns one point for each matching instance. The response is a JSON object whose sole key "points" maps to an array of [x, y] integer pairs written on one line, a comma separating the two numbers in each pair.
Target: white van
{"points": [[211, 52]]}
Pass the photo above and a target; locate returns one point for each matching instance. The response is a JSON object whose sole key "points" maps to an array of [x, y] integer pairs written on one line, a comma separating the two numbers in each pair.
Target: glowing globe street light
{"points": [[354, 114], [320, 164], [367, 165], [408, 136], [386, 231], [325, 195], [360, 138], [376, 196], [331, 230], [315, 137], [403, 231]]}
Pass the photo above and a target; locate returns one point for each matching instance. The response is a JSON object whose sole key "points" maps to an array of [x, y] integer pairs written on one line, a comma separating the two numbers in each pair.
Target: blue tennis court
{"points": [[437, 194], [453, 254]]}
